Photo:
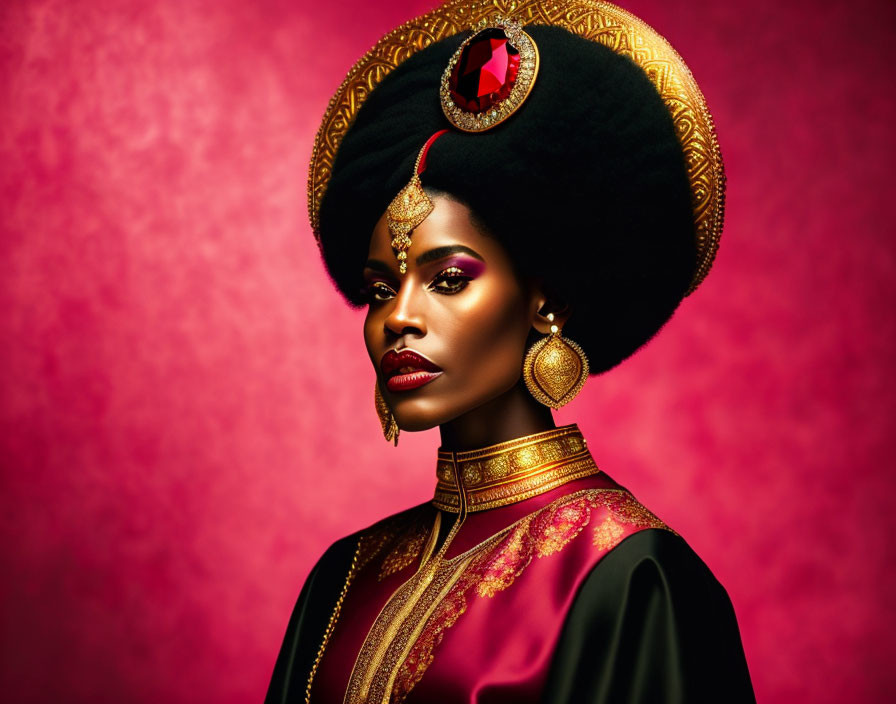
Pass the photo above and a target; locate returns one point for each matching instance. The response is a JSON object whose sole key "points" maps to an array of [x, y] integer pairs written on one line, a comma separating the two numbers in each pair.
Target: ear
{"points": [[543, 307]]}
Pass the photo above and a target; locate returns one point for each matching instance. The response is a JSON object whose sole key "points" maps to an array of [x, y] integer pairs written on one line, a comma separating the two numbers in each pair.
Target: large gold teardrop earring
{"points": [[387, 420], [555, 368]]}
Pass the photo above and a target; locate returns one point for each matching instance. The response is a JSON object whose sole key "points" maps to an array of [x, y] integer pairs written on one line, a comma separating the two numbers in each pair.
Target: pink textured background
{"points": [[185, 404]]}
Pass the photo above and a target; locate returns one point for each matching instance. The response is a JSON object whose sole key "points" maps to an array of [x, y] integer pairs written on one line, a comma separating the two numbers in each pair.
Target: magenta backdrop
{"points": [[186, 418]]}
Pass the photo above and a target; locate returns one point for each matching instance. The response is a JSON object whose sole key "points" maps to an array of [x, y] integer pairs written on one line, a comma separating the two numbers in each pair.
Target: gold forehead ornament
{"points": [[600, 22], [487, 80], [409, 208]]}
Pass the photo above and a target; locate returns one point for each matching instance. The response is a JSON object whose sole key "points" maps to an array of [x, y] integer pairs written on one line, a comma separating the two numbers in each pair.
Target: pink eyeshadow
{"points": [[470, 266]]}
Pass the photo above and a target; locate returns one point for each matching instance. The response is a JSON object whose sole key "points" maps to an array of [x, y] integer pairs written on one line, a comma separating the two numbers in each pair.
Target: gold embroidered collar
{"points": [[511, 471]]}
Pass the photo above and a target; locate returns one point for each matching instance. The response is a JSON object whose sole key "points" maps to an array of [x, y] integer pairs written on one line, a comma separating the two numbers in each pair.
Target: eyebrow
{"points": [[377, 265], [428, 256], [442, 252]]}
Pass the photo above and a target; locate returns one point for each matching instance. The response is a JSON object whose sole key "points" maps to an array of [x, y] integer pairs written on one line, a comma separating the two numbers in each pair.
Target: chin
{"points": [[422, 412], [414, 415]]}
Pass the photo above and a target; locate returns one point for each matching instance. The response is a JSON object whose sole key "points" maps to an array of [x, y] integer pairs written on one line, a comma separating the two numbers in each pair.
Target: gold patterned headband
{"points": [[600, 22]]}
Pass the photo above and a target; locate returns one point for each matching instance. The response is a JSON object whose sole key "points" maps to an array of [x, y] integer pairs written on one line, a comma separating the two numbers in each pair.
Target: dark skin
{"points": [[462, 306]]}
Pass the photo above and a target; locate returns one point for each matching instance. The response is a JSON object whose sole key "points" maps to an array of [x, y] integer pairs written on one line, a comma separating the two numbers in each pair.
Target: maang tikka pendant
{"points": [[409, 208]]}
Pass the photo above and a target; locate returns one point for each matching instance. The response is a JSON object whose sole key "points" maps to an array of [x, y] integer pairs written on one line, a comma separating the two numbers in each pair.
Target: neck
{"points": [[511, 415]]}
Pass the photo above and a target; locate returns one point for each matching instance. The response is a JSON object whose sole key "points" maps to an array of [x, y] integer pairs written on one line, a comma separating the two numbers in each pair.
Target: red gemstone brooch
{"points": [[489, 76]]}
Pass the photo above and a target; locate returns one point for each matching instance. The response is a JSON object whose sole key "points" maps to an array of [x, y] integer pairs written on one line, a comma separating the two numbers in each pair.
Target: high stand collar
{"points": [[512, 471]]}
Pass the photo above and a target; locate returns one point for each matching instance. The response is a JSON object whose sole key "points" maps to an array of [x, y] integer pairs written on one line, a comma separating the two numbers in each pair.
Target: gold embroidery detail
{"points": [[370, 544], [410, 614], [406, 549], [513, 471], [608, 534], [370, 679], [384, 533], [600, 22], [400, 644], [572, 519], [472, 474], [433, 538]]}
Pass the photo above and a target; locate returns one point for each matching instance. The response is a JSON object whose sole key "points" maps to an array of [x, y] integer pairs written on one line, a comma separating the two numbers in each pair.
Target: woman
{"points": [[499, 194]]}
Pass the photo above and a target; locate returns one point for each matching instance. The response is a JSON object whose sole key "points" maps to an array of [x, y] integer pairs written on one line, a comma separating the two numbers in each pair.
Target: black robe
{"points": [[650, 625]]}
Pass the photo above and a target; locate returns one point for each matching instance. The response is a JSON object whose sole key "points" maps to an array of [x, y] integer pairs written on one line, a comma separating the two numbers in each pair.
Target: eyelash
{"points": [[374, 291], [379, 291], [452, 273]]}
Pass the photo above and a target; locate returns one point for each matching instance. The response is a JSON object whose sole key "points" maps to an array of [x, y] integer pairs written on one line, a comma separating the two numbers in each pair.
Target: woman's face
{"points": [[450, 334]]}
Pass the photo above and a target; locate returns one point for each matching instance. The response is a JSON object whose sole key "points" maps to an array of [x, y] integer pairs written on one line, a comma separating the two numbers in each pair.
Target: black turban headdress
{"points": [[586, 185]]}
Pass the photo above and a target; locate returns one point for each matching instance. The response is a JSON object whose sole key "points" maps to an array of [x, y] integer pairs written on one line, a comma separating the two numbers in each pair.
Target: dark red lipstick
{"points": [[407, 370]]}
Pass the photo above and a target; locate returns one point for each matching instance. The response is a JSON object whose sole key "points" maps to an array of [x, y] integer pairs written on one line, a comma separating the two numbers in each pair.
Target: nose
{"points": [[406, 316]]}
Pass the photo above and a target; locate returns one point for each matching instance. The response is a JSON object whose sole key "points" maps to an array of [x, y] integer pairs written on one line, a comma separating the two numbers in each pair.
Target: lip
{"points": [[407, 370]]}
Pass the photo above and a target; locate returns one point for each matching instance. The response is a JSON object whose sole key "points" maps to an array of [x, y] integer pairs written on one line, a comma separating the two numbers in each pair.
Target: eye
{"points": [[379, 291], [451, 280]]}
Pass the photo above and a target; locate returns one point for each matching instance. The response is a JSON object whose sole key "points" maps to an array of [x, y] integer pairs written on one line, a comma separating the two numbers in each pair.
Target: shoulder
{"points": [[346, 556], [650, 623], [392, 525], [660, 551], [363, 545], [648, 552], [640, 561], [630, 534]]}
